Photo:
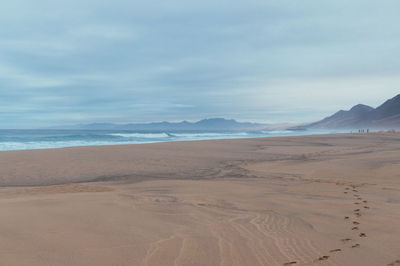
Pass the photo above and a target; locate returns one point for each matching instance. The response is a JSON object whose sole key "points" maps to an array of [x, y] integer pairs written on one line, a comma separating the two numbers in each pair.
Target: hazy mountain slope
{"points": [[212, 124], [386, 116]]}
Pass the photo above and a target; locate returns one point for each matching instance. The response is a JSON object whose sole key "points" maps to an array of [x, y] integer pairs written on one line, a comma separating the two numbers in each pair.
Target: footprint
{"points": [[335, 250], [344, 240], [323, 258], [290, 263], [345, 192], [347, 188], [365, 201], [366, 207], [356, 210], [354, 228], [354, 190], [394, 263], [356, 203], [346, 217], [357, 214], [363, 235], [355, 246], [356, 222]]}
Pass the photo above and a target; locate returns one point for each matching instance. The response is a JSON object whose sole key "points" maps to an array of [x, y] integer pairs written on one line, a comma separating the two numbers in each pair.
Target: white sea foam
{"points": [[141, 135], [6, 146], [42, 139], [210, 135]]}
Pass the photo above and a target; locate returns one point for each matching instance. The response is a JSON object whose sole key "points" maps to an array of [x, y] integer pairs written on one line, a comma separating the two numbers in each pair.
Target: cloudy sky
{"points": [[67, 62]]}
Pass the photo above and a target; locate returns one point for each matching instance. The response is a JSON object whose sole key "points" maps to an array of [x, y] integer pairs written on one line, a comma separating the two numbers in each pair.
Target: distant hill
{"points": [[386, 116], [212, 125]]}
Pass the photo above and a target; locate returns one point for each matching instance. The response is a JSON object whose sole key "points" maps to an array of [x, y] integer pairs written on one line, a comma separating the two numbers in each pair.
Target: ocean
{"points": [[44, 139]]}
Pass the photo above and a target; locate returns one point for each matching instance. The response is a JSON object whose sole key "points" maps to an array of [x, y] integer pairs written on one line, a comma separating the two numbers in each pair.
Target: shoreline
{"points": [[107, 138], [194, 140], [63, 167]]}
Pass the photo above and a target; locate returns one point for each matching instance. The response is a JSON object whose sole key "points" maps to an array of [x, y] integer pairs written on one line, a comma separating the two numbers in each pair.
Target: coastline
{"points": [[256, 201], [81, 163], [48, 139]]}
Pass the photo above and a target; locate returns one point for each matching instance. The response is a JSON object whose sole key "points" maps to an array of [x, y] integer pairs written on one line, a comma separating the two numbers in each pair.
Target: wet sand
{"points": [[310, 200]]}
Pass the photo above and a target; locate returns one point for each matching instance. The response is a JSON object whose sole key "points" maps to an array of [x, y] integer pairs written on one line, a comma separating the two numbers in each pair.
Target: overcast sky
{"points": [[81, 61]]}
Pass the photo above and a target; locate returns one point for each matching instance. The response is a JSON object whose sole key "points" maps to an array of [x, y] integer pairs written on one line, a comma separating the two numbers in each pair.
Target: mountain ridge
{"points": [[386, 116], [209, 124]]}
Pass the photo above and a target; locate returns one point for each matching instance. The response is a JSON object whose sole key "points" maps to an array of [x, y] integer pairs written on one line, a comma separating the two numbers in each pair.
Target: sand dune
{"points": [[312, 200]]}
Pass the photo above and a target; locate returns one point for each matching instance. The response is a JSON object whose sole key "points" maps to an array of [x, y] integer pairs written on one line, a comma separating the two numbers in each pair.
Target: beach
{"points": [[304, 200]]}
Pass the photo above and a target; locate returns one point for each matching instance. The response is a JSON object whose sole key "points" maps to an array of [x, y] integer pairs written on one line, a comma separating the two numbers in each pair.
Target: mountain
{"points": [[386, 116], [342, 119], [391, 108], [212, 124]]}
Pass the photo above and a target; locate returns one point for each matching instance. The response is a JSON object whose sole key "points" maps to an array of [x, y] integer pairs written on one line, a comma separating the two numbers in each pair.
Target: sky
{"points": [[70, 62]]}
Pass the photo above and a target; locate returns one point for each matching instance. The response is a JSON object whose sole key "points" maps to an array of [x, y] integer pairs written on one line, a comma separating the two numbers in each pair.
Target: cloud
{"points": [[134, 61]]}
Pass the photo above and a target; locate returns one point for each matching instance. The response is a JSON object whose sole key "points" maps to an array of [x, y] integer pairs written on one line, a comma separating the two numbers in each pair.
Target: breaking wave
{"points": [[43, 139], [141, 135]]}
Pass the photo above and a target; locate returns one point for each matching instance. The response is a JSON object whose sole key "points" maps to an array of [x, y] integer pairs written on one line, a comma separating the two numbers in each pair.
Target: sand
{"points": [[311, 200]]}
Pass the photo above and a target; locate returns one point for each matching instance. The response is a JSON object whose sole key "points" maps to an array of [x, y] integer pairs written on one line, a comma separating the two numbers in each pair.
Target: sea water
{"points": [[43, 139]]}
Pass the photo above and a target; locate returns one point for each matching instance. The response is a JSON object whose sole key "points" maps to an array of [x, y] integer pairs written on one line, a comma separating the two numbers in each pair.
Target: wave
{"points": [[43, 139], [141, 135], [178, 135], [52, 144], [277, 132], [209, 135]]}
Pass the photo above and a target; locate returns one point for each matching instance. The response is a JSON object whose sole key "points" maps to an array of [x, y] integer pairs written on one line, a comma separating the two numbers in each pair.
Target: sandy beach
{"points": [[309, 200]]}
